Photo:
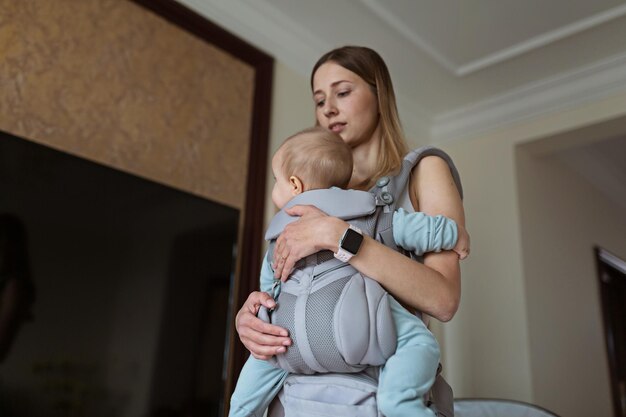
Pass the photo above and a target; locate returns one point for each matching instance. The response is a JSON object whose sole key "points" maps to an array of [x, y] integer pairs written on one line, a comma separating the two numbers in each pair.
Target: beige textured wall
{"points": [[111, 82]]}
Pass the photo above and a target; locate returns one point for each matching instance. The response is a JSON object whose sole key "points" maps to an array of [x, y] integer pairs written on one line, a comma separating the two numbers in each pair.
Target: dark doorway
{"points": [[133, 282], [612, 278]]}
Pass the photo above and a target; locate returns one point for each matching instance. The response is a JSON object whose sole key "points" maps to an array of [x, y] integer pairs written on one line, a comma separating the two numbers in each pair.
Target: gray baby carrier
{"points": [[350, 327], [350, 324]]}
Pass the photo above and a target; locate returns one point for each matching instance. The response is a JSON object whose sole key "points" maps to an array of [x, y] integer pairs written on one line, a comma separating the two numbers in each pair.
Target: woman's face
{"points": [[345, 104]]}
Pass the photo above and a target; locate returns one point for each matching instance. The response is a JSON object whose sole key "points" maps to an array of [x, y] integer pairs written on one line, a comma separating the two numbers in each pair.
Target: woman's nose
{"points": [[329, 109]]}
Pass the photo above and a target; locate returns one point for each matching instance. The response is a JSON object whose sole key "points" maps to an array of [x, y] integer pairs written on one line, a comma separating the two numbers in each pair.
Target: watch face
{"points": [[352, 241]]}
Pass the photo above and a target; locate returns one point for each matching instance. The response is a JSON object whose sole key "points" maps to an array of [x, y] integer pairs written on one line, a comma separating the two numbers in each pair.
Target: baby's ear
{"points": [[296, 185]]}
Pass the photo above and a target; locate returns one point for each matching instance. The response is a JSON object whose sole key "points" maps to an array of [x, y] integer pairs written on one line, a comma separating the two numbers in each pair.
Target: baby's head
{"points": [[311, 159]]}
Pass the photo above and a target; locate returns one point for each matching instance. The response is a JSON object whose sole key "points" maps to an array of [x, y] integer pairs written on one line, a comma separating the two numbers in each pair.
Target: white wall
{"points": [[292, 111], [493, 348], [562, 218], [486, 345]]}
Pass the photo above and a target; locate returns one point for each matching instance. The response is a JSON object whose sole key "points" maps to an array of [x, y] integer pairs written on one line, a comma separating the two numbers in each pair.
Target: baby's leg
{"points": [[258, 384], [410, 372]]}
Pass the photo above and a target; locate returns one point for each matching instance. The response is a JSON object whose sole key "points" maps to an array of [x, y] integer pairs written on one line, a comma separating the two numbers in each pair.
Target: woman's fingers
{"points": [[301, 210], [298, 240], [262, 339], [263, 352], [260, 330], [288, 265], [255, 300], [272, 340]]}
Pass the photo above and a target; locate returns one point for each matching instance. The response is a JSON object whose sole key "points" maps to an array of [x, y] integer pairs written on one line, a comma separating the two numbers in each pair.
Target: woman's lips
{"points": [[337, 127]]}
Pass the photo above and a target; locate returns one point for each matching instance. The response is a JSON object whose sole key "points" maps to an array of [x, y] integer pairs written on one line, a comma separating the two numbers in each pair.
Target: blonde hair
{"points": [[367, 64], [319, 157]]}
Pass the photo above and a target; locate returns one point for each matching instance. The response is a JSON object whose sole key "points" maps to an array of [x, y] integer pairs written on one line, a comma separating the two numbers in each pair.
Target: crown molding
{"points": [[460, 70], [567, 90], [541, 40], [382, 11]]}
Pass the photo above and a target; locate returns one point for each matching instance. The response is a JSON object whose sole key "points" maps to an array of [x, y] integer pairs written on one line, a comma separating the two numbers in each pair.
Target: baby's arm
{"points": [[266, 279], [421, 233]]}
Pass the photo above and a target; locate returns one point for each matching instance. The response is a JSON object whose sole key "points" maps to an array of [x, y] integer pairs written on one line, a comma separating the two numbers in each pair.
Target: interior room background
{"points": [[529, 327]]}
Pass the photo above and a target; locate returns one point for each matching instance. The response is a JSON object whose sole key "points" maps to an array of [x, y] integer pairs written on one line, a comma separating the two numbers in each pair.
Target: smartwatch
{"points": [[349, 244]]}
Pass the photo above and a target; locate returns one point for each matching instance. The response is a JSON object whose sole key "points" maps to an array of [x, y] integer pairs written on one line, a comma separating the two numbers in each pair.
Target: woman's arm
{"points": [[433, 287]]}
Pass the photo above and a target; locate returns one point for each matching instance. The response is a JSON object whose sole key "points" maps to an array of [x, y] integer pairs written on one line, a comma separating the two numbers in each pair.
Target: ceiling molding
{"points": [[382, 11], [566, 90], [541, 40], [460, 70]]}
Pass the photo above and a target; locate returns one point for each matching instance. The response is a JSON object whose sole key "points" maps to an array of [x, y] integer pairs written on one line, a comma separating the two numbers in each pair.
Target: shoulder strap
{"points": [[345, 204], [389, 189], [394, 186]]}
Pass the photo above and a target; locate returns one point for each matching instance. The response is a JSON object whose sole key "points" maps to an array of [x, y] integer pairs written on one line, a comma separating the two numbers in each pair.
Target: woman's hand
{"points": [[262, 339], [462, 247], [314, 231]]}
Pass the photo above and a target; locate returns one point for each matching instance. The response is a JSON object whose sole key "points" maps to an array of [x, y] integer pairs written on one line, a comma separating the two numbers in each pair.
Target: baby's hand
{"points": [[462, 247]]}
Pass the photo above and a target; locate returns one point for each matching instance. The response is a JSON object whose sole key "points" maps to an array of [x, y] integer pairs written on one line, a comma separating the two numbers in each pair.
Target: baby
{"points": [[317, 159]]}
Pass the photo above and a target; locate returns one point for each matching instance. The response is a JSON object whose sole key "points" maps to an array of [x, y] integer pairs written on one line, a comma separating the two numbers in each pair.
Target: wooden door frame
{"points": [[608, 264]]}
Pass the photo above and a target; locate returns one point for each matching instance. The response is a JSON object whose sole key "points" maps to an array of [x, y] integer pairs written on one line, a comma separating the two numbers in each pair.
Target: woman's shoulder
{"points": [[429, 153], [434, 184], [432, 167]]}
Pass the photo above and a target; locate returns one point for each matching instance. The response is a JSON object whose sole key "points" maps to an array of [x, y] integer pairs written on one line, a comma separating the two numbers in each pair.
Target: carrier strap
{"points": [[344, 204], [389, 190]]}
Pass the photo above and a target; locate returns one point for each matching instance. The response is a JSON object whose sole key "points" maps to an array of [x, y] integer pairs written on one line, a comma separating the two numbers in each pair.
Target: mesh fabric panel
{"points": [[323, 256], [319, 326], [286, 318]]}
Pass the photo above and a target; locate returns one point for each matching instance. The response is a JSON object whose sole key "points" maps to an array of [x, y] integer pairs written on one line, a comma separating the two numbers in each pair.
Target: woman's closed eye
{"points": [[343, 93]]}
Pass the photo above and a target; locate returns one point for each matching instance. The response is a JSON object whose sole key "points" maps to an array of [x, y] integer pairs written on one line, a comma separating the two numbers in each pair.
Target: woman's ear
{"points": [[296, 185]]}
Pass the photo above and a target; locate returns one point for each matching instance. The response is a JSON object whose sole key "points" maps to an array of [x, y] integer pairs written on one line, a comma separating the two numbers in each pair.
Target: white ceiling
{"points": [[459, 66], [466, 36]]}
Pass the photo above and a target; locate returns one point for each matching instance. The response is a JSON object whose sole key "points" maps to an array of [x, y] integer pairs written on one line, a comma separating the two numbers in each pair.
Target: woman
{"points": [[354, 97]]}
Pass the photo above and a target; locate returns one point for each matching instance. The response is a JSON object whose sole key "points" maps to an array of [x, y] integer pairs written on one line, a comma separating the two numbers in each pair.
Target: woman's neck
{"points": [[365, 159]]}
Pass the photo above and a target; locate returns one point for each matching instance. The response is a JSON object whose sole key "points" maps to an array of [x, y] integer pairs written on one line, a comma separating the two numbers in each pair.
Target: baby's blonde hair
{"points": [[319, 157]]}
